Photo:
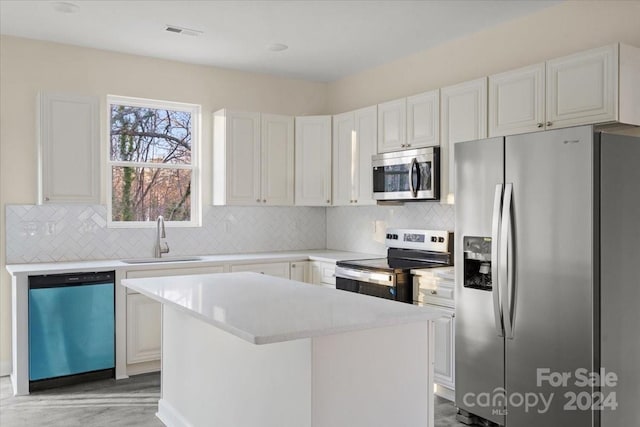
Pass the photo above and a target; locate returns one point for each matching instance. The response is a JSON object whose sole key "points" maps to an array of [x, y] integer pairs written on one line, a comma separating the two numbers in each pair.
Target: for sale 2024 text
{"points": [[540, 402]]}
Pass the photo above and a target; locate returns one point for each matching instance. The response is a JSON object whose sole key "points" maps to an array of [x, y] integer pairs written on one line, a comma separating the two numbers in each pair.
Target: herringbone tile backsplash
{"points": [[362, 228], [50, 233]]}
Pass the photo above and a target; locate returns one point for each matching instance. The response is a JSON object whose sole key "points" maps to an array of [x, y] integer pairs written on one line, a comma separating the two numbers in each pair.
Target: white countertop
{"points": [[263, 309], [289, 256]]}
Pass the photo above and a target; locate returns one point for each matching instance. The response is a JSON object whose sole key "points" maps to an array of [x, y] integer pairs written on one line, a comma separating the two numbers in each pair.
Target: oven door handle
{"points": [[383, 279]]}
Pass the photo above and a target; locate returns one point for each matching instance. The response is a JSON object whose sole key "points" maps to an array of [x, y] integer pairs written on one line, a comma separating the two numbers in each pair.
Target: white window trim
{"points": [[195, 167]]}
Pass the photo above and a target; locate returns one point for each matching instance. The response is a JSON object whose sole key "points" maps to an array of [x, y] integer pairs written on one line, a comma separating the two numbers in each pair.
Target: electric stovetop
{"points": [[390, 265]]}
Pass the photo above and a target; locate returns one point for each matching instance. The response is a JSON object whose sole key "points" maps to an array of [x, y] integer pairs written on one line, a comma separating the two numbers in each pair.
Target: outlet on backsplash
{"points": [[49, 228], [30, 229], [379, 231]]}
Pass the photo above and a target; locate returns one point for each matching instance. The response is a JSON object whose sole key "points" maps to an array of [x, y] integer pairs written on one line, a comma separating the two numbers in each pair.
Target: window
{"points": [[153, 148]]}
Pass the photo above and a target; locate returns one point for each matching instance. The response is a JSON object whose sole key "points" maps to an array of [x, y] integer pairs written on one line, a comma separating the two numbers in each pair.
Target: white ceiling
{"points": [[327, 39]]}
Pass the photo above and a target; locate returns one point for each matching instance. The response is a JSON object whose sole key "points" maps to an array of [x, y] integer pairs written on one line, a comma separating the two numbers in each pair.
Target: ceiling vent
{"points": [[181, 30]]}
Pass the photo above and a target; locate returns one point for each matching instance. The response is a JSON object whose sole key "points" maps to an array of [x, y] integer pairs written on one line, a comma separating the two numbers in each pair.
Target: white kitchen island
{"points": [[245, 349]]}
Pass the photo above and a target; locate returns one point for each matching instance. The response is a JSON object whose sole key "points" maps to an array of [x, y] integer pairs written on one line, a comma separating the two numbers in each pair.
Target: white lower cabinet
{"points": [[276, 269], [435, 287], [299, 271], [444, 360], [143, 329], [323, 273], [144, 320]]}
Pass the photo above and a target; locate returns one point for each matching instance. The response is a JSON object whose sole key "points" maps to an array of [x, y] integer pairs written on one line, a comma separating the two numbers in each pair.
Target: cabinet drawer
{"points": [[277, 269], [172, 272], [431, 290]]}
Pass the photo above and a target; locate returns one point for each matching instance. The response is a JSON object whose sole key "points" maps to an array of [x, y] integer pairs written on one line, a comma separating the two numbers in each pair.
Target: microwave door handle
{"points": [[414, 188]]}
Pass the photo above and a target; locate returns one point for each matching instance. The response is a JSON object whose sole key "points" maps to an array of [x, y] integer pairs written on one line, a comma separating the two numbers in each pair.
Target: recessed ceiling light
{"points": [[277, 47], [65, 7]]}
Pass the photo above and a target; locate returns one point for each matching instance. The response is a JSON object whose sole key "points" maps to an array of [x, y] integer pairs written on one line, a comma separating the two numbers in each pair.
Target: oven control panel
{"points": [[428, 240]]}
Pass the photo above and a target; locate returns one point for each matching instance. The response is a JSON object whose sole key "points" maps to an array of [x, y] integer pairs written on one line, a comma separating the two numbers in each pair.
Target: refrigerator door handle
{"points": [[495, 289], [506, 253]]}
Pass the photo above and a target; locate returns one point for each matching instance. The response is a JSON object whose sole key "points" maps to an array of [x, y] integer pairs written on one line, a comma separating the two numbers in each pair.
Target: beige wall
{"points": [[555, 31], [28, 66]]}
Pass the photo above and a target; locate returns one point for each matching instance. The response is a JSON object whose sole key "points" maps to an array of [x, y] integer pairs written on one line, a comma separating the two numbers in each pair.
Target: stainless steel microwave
{"points": [[407, 175]]}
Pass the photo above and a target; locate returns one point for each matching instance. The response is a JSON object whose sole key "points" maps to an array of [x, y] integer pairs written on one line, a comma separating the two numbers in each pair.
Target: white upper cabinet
{"points": [[596, 86], [582, 88], [366, 120], [277, 159], [411, 122], [516, 101], [68, 149], [354, 142], [236, 158], [423, 120], [252, 159], [392, 124], [463, 117], [344, 153], [313, 161]]}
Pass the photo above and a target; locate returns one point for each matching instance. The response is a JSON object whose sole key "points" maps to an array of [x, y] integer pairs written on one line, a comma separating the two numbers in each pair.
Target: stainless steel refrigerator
{"points": [[548, 279]]}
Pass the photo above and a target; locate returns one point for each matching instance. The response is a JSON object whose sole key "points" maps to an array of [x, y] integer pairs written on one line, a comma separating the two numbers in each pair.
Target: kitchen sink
{"points": [[166, 259]]}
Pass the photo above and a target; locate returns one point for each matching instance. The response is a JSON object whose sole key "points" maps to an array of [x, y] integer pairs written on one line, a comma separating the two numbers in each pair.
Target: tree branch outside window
{"points": [[151, 160]]}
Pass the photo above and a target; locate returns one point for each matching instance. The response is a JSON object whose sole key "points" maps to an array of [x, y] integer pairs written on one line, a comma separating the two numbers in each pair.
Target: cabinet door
{"points": [[463, 117], [344, 153], [516, 101], [69, 149], [444, 358], [299, 271], [277, 160], [323, 273], [423, 119], [277, 269], [313, 161], [143, 315], [583, 88], [143, 329], [392, 125], [366, 130], [243, 158]]}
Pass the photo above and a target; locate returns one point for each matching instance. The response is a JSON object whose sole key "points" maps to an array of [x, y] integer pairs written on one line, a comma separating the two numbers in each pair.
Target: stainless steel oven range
{"points": [[390, 277]]}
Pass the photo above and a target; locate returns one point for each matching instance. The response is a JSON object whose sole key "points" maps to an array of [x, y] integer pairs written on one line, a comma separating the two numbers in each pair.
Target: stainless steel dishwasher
{"points": [[71, 328]]}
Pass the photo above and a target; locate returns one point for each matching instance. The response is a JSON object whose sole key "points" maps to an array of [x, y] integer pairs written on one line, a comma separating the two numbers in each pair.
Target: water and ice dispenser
{"points": [[477, 262]]}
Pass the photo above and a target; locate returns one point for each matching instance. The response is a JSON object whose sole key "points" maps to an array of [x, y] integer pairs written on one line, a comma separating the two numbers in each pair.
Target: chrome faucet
{"points": [[161, 247]]}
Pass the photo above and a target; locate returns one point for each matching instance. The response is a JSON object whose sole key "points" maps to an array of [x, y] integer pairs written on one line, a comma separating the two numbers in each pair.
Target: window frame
{"points": [[194, 167]]}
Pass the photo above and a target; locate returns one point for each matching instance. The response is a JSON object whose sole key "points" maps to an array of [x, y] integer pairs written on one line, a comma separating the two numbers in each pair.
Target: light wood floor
{"points": [[130, 402]]}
